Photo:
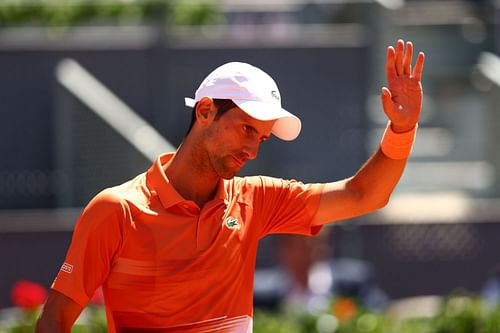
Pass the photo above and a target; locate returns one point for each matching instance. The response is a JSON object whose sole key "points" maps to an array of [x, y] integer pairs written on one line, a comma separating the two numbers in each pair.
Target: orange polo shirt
{"points": [[167, 266]]}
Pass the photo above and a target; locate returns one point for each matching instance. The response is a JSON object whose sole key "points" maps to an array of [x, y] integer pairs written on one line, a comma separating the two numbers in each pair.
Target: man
{"points": [[175, 247]]}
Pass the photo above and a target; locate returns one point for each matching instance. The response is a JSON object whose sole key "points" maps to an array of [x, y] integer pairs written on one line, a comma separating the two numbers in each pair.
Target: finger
{"points": [[390, 66], [387, 102], [407, 58], [399, 57], [419, 66]]}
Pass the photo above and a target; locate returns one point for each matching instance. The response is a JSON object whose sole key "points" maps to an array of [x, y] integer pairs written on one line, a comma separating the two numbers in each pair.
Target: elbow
{"points": [[381, 199], [383, 202], [368, 199], [374, 201], [376, 204]]}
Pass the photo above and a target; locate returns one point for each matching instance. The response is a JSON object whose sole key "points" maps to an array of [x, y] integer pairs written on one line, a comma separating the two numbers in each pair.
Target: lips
{"points": [[239, 162]]}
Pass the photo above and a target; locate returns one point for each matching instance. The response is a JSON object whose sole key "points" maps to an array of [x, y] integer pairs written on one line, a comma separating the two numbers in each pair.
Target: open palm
{"points": [[402, 100]]}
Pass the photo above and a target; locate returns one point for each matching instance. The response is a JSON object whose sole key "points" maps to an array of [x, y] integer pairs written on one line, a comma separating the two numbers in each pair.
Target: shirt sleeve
{"points": [[286, 206], [96, 239]]}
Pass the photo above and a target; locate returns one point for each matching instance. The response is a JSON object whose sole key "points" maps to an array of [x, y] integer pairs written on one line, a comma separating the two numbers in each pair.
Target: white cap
{"points": [[253, 91]]}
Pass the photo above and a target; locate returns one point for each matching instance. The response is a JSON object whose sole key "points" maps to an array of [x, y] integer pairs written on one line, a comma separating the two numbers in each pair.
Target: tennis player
{"points": [[174, 248]]}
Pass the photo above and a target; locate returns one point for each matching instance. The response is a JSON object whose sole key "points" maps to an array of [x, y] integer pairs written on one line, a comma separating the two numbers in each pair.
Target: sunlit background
{"points": [[91, 91]]}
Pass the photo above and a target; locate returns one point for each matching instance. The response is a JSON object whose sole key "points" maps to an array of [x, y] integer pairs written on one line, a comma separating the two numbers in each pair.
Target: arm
{"points": [[371, 187], [96, 240], [58, 315]]}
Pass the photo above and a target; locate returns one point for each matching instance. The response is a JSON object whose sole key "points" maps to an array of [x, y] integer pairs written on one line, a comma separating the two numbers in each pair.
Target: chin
{"points": [[227, 170], [228, 174]]}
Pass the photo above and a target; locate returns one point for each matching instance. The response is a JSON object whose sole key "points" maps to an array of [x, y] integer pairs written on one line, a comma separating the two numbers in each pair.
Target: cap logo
{"points": [[275, 94]]}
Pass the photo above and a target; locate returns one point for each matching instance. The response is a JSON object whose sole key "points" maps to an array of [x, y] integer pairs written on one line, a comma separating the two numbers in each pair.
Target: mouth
{"points": [[239, 162]]}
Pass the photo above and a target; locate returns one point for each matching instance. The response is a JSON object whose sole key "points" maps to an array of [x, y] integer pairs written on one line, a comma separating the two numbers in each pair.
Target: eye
{"points": [[248, 129]]}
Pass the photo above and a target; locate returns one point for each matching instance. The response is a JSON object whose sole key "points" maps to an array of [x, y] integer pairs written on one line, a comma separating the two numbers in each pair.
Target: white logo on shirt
{"points": [[68, 268]]}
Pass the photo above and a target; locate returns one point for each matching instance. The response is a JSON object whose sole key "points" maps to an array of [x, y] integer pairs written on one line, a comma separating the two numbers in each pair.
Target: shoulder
{"points": [[252, 188], [105, 209], [112, 203], [133, 192], [278, 186], [265, 188], [107, 199], [267, 182]]}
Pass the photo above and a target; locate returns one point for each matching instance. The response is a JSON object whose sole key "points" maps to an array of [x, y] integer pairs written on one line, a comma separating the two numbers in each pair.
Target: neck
{"points": [[193, 179]]}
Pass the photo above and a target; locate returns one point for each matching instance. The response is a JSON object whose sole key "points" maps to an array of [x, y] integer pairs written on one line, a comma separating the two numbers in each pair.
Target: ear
{"points": [[205, 111]]}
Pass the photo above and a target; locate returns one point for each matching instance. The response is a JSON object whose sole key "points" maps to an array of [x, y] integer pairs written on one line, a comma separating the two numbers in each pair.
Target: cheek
{"points": [[221, 139], [228, 137]]}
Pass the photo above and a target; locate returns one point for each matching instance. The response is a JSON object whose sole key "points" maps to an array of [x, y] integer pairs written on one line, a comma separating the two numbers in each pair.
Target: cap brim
{"points": [[287, 126]]}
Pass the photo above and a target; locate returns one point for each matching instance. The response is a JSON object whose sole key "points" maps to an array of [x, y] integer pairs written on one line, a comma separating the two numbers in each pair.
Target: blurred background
{"points": [[91, 91]]}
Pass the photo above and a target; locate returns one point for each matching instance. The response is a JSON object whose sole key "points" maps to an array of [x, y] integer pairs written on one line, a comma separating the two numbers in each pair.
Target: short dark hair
{"points": [[222, 105]]}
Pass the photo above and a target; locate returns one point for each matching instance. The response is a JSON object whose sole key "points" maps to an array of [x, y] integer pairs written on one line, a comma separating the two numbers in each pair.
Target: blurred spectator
{"points": [[297, 256], [308, 276]]}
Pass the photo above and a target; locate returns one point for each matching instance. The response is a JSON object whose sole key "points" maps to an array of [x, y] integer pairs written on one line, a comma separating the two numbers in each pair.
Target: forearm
{"points": [[368, 190], [376, 180], [45, 325], [58, 314]]}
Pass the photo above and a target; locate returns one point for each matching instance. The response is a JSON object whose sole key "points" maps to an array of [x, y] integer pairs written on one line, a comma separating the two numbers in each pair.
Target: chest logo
{"points": [[232, 223]]}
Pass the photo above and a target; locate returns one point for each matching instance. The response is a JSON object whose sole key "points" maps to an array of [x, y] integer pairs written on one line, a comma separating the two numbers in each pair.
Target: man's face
{"points": [[233, 139]]}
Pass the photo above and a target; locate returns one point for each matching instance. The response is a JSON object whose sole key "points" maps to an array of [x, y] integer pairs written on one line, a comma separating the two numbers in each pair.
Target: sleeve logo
{"points": [[68, 268], [232, 223]]}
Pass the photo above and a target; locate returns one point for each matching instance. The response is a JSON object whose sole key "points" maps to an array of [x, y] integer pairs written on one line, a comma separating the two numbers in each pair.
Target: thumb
{"points": [[387, 103]]}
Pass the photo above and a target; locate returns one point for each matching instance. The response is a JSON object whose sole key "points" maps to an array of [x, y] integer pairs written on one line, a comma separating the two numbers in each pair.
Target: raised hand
{"points": [[402, 99]]}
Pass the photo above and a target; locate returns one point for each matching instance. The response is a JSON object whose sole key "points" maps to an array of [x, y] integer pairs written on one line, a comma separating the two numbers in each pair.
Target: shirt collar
{"points": [[161, 184], [168, 195], [223, 191]]}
